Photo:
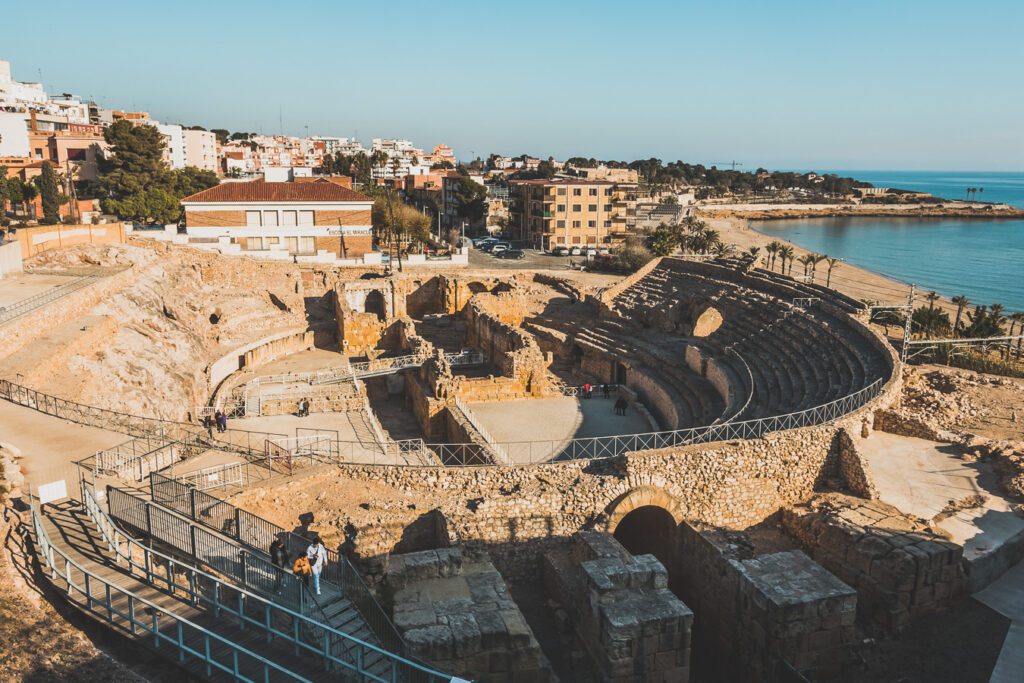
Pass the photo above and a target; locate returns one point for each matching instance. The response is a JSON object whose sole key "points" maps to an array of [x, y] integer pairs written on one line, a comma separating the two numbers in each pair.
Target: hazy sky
{"points": [[897, 84]]}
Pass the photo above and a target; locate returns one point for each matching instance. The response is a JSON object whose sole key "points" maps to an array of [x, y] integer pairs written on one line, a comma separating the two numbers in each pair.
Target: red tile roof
{"points": [[262, 191]]}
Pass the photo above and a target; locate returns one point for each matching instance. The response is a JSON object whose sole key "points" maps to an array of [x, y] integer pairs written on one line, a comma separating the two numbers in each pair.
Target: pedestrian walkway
{"points": [[1006, 596]]}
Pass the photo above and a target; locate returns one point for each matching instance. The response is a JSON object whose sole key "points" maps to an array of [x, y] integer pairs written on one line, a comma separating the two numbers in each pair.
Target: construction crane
{"points": [[732, 164]]}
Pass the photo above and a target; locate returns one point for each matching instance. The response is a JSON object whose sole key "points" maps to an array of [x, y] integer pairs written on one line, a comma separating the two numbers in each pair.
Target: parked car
{"points": [[479, 242], [560, 251], [512, 254], [575, 251], [589, 251], [487, 246], [499, 247]]}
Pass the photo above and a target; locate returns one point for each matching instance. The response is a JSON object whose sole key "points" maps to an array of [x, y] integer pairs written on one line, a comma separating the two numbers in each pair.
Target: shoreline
{"points": [[856, 281], [785, 212]]}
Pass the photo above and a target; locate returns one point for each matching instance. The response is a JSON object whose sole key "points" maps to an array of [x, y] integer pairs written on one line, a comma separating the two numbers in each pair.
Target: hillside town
{"points": [[312, 196]]}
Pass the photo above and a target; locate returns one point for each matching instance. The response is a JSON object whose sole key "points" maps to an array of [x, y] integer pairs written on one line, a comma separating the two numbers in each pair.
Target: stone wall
{"points": [[490, 327], [621, 609], [455, 611], [899, 568], [753, 612], [18, 332], [852, 467], [519, 513]]}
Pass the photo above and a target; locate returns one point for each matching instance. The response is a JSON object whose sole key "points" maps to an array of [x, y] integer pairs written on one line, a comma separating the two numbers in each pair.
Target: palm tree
{"points": [[773, 251], [752, 252], [807, 261], [832, 263], [786, 253], [931, 297], [961, 302], [816, 259]]}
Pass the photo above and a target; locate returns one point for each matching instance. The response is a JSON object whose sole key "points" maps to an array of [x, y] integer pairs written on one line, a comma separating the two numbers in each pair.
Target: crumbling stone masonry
{"points": [[455, 611], [754, 615], [899, 568], [620, 606]]}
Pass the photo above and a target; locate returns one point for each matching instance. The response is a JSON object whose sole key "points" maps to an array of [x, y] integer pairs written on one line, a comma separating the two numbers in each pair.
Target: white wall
{"points": [[175, 141], [10, 257], [13, 135]]}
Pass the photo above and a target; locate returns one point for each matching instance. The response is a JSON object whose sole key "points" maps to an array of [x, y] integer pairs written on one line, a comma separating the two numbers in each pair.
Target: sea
{"points": [[978, 257]]}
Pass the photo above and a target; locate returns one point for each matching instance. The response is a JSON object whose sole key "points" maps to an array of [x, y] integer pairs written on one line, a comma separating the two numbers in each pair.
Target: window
{"points": [[560, 224], [252, 219], [76, 154], [576, 239], [577, 192], [577, 224], [607, 192], [270, 218], [592, 192], [608, 207], [577, 207], [292, 243], [591, 207], [306, 218], [561, 191], [560, 207], [289, 218], [607, 224], [274, 241], [591, 224]]}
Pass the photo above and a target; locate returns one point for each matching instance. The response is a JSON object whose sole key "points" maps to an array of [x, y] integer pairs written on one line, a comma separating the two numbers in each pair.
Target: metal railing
{"points": [[195, 645], [293, 604], [500, 452], [29, 304], [258, 533], [219, 476]]}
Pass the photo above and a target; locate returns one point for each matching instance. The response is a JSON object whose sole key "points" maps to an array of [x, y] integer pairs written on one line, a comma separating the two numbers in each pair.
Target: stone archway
{"points": [[645, 521], [642, 496], [375, 304]]}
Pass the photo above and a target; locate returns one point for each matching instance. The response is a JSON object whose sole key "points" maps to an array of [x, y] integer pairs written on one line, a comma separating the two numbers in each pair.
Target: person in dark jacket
{"points": [[279, 556]]}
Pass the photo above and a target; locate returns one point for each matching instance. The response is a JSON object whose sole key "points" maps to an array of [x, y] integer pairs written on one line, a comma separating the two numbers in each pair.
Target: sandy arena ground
{"points": [[20, 286]]}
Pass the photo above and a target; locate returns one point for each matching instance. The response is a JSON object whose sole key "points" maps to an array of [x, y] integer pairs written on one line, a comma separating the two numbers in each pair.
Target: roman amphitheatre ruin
{"points": [[702, 471]]}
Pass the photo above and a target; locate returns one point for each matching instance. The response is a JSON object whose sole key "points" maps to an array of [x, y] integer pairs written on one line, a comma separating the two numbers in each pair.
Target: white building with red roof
{"points": [[319, 220]]}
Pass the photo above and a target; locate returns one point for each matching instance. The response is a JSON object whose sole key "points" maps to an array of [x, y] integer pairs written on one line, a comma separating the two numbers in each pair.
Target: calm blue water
{"points": [[997, 187], [983, 259]]}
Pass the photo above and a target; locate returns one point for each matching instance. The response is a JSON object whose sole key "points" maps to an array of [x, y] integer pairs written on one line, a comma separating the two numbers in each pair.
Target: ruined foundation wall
{"points": [[899, 568], [852, 467]]}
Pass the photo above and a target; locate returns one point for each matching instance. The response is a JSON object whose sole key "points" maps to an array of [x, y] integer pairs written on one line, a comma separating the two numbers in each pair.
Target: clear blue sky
{"points": [[894, 84]]}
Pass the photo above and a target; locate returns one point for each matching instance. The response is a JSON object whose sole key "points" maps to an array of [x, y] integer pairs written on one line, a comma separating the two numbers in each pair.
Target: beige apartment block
{"points": [[568, 212]]}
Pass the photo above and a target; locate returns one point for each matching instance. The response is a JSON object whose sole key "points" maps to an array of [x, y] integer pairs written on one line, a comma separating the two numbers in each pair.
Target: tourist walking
{"points": [[279, 558], [620, 406], [302, 569], [316, 553], [606, 390], [208, 424], [587, 390], [304, 408], [222, 422]]}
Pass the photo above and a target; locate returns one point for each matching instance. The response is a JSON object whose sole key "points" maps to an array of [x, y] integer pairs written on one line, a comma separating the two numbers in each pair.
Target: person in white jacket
{"points": [[317, 555]]}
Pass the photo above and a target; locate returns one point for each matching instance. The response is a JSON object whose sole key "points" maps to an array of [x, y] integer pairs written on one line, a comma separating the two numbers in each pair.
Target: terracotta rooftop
{"points": [[262, 191], [562, 181]]}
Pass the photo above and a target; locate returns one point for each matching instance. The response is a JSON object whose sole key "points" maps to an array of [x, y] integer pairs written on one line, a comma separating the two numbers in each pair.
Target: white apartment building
{"points": [[16, 92], [174, 143], [14, 134], [403, 159], [200, 149]]}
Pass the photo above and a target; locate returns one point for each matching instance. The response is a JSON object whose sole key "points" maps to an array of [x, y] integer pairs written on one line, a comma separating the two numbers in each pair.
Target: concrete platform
{"points": [[921, 477], [16, 287], [554, 420]]}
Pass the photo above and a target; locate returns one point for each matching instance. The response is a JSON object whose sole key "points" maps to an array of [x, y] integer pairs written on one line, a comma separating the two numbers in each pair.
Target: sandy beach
{"points": [[852, 280]]}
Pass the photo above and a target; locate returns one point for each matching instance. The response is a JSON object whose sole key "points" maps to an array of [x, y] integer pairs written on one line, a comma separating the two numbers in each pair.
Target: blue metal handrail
{"points": [[326, 636], [152, 613]]}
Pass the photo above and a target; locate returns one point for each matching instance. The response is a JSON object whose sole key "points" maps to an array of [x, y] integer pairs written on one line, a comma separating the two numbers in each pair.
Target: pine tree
{"points": [[50, 195]]}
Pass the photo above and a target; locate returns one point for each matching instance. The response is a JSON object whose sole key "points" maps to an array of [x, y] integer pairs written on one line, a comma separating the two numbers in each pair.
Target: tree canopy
{"points": [[50, 194], [135, 182], [470, 197]]}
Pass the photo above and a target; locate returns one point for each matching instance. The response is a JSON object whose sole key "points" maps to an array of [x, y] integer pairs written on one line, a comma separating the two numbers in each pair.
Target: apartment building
{"points": [[315, 220], [402, 159], [568, 212], [200, 149]]}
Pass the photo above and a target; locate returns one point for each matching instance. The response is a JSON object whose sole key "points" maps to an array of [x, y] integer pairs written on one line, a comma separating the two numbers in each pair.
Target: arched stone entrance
{"points": [[375, 304], [645, 521]]}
